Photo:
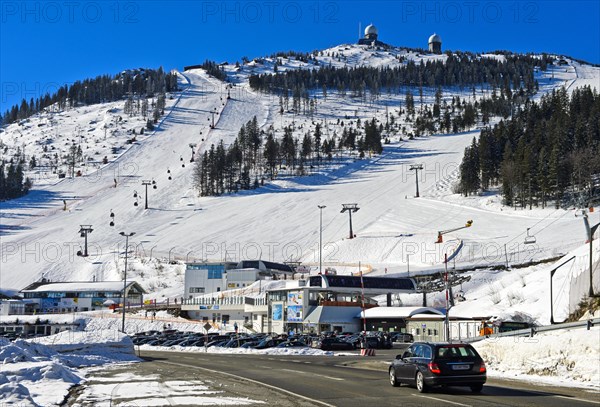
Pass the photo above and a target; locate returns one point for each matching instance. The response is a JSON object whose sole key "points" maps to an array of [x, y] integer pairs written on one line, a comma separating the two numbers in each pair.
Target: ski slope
{"points": [[279, 221]]}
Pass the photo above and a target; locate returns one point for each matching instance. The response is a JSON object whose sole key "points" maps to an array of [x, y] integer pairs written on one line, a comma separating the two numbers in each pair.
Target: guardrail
{"points": [[538, 329]]}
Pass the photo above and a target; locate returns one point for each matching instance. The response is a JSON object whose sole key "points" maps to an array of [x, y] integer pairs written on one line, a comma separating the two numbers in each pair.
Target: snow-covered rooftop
{"points": [[399, 312], [79, 286]]}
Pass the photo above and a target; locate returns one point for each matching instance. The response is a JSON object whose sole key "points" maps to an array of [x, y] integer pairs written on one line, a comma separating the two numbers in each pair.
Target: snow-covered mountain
{"points": [[280, 220]]}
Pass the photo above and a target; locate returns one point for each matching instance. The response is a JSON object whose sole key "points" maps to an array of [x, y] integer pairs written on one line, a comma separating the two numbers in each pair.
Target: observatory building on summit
{"points": [[435, 44], [370, 37]]}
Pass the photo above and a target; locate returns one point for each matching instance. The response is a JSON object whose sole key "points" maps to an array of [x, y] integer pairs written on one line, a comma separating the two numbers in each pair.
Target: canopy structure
{"points": [[332, 315]]}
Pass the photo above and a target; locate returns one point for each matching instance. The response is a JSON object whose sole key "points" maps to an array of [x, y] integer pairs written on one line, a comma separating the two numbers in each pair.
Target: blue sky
{"points": [[46, 44]]}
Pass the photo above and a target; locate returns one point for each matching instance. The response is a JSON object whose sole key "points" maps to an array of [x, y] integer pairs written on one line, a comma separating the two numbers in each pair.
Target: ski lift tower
{"points": [[84, 230], [192, 146], [416, 168], [350, 208], [147, 183]]}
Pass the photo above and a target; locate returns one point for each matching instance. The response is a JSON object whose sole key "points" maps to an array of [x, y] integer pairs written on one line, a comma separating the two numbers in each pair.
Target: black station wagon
{"points": [[426, 364]]}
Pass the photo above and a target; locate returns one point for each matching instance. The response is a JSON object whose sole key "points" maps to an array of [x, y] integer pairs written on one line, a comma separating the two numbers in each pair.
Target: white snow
{"points": [[40, 372], [563, 358], [279, 221]]}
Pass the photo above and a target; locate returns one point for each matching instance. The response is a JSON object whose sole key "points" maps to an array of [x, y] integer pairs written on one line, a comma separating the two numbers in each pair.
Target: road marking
{"points": [[576, 398], [559, 396], [445, 401], [313, 374], [322, 403]]}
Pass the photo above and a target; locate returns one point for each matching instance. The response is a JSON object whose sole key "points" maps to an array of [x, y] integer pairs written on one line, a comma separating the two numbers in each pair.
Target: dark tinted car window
{"points": [[426, 352], [455, 352]]}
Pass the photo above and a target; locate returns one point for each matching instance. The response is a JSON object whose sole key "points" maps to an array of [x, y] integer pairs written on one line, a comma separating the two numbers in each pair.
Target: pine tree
{"points": [[271, 152]]}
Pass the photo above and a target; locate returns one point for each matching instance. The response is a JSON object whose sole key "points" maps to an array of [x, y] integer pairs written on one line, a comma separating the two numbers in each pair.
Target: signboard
{"points": [[207, 326], [294, 313], [303, 269], [277, 312], [295, 307], [98, 302], [295, 298]]}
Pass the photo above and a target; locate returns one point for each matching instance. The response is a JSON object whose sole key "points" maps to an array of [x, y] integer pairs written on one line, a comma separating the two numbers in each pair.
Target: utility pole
{"points": [[416, 168], [447, 319], [362, 299], [321, 207], [84, 230], [530, 199], [350, 208], [127, 236]]}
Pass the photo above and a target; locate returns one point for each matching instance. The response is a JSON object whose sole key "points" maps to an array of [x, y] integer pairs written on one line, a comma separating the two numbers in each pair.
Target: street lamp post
{"points": [[321, 237], [551, 296], [127, 236], [591, 230]]}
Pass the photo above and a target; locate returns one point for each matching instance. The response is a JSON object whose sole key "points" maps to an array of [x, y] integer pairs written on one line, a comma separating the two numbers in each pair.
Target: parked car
{"points": [[269, 343], [369, 342], [403, 337], [332, 344], [426, 364], [292, 344]]}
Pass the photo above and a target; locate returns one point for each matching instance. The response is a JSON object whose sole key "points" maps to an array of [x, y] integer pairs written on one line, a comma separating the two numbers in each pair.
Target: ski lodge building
{"points": [[59, 297]]}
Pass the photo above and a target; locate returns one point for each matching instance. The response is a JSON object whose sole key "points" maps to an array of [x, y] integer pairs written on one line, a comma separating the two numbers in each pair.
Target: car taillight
{"points": [[434, 368], [482, 367]]}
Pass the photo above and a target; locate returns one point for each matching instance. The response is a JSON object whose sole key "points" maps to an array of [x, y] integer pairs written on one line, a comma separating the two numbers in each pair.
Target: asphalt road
{"points": [[346, 381], [359, 381]]}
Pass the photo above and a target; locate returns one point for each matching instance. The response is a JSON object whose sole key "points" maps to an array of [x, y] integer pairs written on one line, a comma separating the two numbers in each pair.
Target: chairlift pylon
{"points": [[530, 239]]}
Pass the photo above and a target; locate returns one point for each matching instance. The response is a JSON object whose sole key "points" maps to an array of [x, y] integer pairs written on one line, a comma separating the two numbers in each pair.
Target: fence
{"points": [[529, 332]]}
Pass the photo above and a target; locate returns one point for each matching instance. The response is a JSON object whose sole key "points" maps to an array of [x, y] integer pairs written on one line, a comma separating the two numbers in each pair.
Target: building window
{"points": [[197, 290], [215, 274]]}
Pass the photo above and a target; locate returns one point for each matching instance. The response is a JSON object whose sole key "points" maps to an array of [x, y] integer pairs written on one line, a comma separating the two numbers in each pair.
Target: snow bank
{"points": [[39, 372], [299, 351], [568, 357]]}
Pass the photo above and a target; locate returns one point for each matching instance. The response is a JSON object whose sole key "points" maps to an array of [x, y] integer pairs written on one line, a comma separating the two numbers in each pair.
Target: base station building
{"points": [[315, 304]]}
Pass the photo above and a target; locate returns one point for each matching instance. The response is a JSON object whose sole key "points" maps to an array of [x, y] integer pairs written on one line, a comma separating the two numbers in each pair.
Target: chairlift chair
{"points": [[530, 239]]}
